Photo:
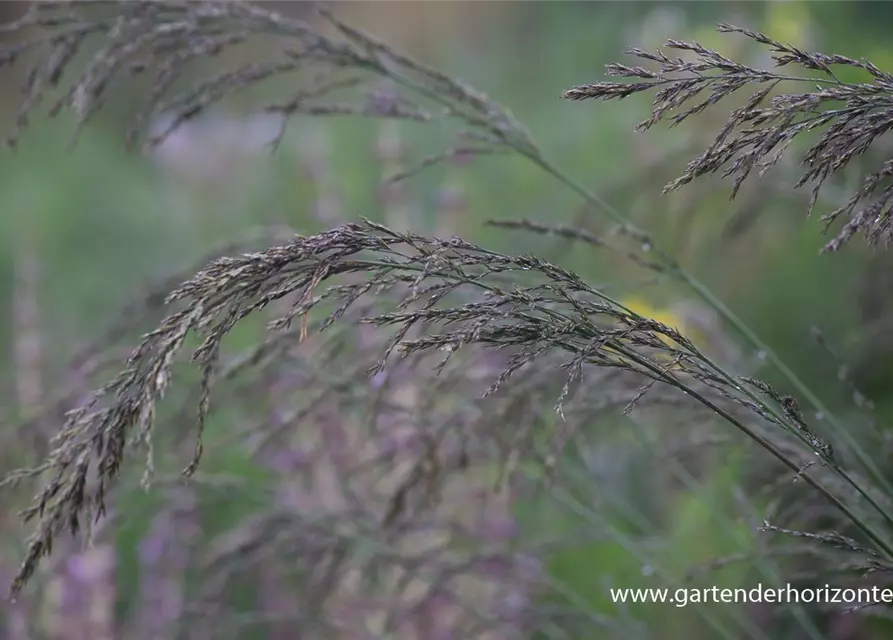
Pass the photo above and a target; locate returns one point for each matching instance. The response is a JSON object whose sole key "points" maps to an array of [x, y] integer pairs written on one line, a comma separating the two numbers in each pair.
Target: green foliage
{"points": [[656, 503]]}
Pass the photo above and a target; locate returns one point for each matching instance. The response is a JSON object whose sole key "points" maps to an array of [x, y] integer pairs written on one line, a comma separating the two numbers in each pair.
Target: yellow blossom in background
{"points": [[665, 316]]}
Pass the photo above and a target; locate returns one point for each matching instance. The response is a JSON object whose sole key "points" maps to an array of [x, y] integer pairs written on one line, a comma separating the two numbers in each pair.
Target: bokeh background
{"points": [[84, 231]]}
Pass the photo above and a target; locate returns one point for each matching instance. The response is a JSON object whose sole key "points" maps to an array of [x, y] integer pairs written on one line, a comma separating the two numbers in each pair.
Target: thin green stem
{"points": [[771, 448], [715, 303], [831, 464], [725, 312], [650, 369]]}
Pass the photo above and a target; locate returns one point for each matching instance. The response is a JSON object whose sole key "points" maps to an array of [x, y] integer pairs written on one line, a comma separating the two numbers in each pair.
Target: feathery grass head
{"points": [[161, 39], [849, 118], [455, 293], [423, 296]]}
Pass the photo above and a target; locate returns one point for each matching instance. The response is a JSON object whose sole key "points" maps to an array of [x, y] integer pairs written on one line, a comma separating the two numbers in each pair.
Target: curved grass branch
{"points": [[758, 133], [671, 268], [173, 33], [557, 314], [560, 315], [756, 137]]}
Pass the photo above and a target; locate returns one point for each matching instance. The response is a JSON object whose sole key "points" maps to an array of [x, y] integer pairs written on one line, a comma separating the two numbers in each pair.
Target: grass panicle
{"points": [[558, 316], [162, 38], [444, 351], [848, 116]]}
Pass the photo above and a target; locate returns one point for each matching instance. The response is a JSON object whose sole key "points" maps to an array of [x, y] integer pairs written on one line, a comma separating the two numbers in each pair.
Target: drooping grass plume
{"points": [[421, 297], [849, 118], [167, 36], [162, 38], [558, 316]]}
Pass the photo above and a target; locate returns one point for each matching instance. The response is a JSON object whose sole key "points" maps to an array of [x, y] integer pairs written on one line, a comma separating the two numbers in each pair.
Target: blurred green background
{"points": [[84, 231]]}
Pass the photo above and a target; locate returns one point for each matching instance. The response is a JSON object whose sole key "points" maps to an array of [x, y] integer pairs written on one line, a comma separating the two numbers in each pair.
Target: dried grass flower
{"points": [[849, 118]]}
